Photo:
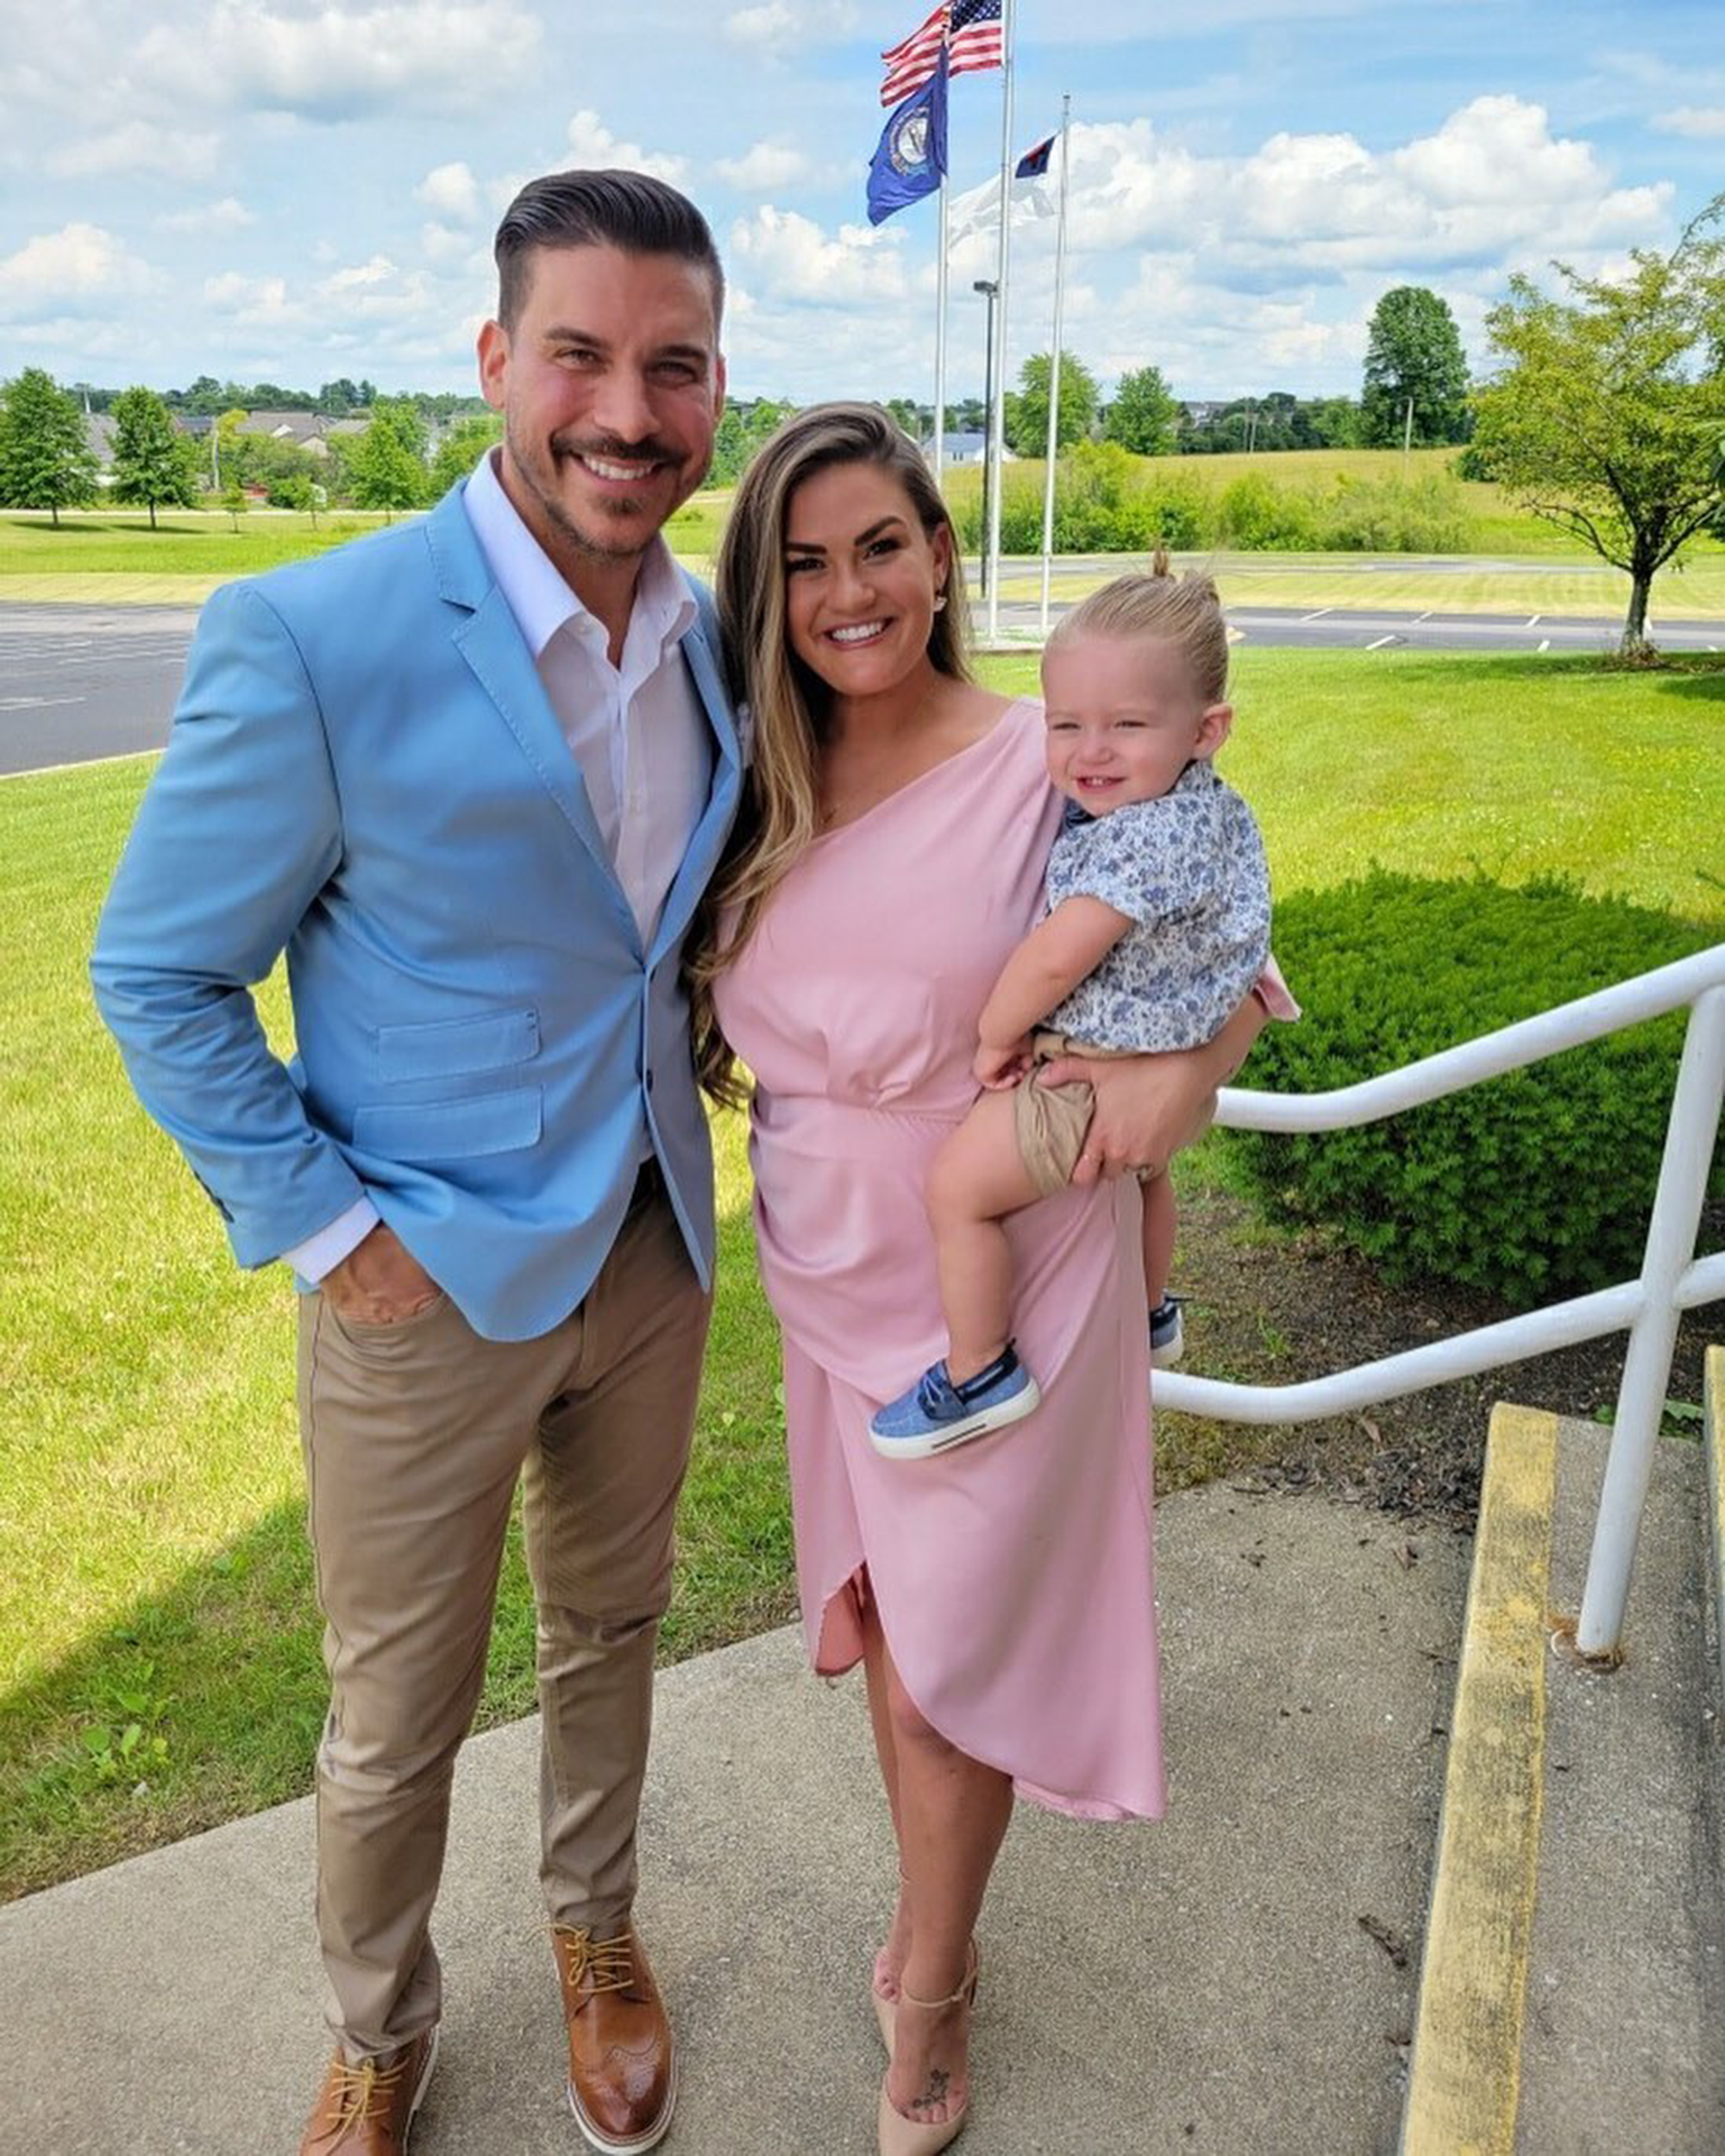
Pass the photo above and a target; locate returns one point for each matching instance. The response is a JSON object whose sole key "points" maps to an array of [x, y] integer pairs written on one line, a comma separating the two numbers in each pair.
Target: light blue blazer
{"points": [[364, 771]]}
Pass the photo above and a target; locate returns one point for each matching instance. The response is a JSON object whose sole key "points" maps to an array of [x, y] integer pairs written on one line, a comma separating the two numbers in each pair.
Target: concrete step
{"points": [[1237, 1979], [1573, 1985]]}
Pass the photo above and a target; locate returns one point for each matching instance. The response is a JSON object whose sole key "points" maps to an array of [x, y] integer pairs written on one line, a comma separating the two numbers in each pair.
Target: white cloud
{"points": [[452, 192], [773, 25], [336, 63], [138, 147], [787, 257], [442, 243], [1491, 185], [375, 291], [79, 270], [1705, 122], [252, 303], [229, 215], [765, 167], [592, 143]]}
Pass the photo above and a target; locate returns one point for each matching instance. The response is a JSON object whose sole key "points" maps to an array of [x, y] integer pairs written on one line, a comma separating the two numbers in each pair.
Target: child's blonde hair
{"points": [[1186, 610]]}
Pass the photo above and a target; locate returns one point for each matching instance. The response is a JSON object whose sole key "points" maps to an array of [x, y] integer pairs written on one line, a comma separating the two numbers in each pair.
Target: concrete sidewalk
{"points": [[1240, 1979], [1204, 1984]]}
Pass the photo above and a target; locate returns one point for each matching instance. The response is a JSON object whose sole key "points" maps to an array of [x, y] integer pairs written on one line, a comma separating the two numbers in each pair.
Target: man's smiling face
{"points": [[610, 384]]}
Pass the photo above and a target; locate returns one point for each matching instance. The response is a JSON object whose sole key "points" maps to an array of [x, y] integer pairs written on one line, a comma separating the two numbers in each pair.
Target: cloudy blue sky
{"points": [[295, 189]]}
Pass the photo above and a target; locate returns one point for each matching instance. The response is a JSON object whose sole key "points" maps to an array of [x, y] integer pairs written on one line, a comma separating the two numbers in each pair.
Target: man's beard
{"points": [[542, 483]]}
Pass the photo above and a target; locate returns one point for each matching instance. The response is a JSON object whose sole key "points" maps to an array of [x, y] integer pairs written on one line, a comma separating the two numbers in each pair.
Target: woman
{"points": [[890, 856]]}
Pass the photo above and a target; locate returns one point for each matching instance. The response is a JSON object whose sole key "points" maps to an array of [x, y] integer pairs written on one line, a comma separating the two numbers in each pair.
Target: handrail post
{"points": [[1653, 1338]]}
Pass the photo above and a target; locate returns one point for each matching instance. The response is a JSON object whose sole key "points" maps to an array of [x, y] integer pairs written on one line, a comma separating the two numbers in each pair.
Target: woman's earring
{"points": [[940, 602]]}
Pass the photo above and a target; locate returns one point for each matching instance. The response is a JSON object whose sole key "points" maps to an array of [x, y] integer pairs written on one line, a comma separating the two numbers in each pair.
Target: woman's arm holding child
{"points": [[1149, 1106], [1044, 969]]}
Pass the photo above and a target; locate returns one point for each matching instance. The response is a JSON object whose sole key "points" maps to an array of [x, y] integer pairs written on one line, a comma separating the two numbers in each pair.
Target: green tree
{"points": [[1334, 423], [1143, 416], [460, 449], [1025, 418], [46, 461], [235, 502], [741, 429], [152, 463], [1605, 418], [386, 463], [1414, 350]]}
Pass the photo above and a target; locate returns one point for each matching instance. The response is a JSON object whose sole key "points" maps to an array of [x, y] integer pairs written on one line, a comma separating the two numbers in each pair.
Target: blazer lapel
{"points": [[489, 640], [701, 856]]}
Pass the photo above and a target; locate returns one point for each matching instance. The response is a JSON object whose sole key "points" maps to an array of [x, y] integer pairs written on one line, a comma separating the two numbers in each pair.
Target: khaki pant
{"points": [[414, 1435], [1050, 1122]]}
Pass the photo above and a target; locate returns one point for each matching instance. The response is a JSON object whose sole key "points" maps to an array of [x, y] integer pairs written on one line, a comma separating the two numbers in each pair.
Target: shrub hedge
{"points": [[1106, 501], [1532, 1185]]}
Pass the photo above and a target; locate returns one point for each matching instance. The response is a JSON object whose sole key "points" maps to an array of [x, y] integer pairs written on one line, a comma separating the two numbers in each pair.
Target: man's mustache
{"points": [[611, 448]]}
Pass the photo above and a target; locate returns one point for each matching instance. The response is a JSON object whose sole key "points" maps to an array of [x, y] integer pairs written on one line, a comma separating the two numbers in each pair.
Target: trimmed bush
{"points": [[1534, 1186]]}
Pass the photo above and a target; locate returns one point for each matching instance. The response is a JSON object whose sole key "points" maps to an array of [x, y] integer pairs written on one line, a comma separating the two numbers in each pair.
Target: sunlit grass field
{"points": [[159, 1662]]}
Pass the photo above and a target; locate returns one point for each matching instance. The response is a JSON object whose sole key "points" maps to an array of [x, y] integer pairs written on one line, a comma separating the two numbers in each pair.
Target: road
{"points": [[78, 683]]}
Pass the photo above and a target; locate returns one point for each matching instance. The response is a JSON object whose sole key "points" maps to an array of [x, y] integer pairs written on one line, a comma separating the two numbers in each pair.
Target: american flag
{"points": [[973, 33]]}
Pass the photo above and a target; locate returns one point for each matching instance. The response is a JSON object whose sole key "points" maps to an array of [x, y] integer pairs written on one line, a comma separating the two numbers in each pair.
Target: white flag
{"points": [[1030, 201]]}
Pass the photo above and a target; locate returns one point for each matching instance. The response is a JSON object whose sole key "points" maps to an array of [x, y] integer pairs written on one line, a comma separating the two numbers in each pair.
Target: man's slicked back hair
{"points": [[631, 211]]}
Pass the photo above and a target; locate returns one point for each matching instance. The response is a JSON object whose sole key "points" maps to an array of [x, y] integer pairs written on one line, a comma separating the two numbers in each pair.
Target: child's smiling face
{"points": [[1125, 719]]}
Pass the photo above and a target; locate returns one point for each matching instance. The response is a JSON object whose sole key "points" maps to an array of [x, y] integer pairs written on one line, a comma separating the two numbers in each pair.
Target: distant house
{"points": [[967, 449], [1199, 411], [98, 432]]}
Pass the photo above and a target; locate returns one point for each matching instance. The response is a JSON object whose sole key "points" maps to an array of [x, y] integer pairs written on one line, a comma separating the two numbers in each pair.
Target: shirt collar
{"points": [[540, 599]]}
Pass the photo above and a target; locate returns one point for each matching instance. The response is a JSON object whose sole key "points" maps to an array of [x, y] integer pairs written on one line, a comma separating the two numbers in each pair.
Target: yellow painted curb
{"points": [[1465, 2075]]}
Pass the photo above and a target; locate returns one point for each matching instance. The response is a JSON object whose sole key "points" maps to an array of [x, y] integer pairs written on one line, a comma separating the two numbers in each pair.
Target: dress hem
{"points": [[1103, 1810]]}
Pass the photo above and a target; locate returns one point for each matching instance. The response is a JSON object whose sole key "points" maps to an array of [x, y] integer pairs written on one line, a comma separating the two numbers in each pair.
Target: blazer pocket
{"points": [[492, 1040], [451, 1130]]}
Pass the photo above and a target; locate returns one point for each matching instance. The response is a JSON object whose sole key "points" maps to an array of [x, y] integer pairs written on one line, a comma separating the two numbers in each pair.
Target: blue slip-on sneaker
{"points": [[936, 1413], [1167, 1335]]}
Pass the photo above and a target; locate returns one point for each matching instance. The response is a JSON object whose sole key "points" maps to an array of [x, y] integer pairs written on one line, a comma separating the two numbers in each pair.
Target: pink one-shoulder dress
{"points": [[1013, 1575]]}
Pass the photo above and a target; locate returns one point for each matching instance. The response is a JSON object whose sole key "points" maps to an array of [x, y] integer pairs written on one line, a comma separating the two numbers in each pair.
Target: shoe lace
{"points": [[602, 1964], [935, 1394], [362, 2092]]}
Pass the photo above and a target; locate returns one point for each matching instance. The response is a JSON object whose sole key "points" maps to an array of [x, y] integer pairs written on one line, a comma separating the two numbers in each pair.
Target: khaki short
{"points": [[1050, 1121]]}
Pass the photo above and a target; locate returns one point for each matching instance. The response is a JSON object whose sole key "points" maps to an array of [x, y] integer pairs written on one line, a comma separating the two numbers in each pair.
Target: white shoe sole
{"points": [[651, 2139], [981, 1424]]}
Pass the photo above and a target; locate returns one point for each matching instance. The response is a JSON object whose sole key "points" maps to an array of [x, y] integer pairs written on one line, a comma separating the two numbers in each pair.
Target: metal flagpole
{"points": [[997, 415], [940, 350], [1053, 369]]}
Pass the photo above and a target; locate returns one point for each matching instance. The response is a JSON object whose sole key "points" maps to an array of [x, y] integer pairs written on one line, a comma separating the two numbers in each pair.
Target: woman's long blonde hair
{"points": [[786, 703]]}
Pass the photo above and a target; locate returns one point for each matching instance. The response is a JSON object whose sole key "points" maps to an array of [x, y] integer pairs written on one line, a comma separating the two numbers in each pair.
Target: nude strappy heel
{"points": [[902, 2136], [887, 2011]]}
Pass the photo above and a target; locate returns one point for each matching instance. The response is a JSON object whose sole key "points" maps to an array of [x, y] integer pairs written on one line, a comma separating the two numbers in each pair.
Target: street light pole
{"points": [[990, 291], [1407, 439]]}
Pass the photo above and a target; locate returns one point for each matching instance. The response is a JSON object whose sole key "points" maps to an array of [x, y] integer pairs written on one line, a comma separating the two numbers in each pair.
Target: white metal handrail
{"points": [[1672, 1279]]}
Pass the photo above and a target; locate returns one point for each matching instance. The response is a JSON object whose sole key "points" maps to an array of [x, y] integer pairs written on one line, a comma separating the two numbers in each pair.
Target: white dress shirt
{"points": [[637, 732]]}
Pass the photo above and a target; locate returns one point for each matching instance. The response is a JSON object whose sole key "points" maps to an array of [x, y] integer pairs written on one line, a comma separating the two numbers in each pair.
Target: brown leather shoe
{"points": [[623, 2078], [367, 2110]]}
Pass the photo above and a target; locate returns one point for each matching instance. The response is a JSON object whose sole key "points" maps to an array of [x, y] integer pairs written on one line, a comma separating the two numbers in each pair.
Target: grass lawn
{"points": [[159, 1666]]}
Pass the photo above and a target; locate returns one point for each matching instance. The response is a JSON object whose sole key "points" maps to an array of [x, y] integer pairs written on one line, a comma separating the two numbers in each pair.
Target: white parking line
{"points": [[1427, 616], [36, 703], [1319, 614], [1380, 643], [1544, 644], [1532, 622]]}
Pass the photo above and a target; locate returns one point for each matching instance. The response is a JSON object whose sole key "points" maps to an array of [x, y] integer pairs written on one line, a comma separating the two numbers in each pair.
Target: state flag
{"points": [[910, 158]]}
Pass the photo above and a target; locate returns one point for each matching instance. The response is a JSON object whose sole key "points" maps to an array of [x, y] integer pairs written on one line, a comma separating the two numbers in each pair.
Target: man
{"points": [[472, 775]]}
